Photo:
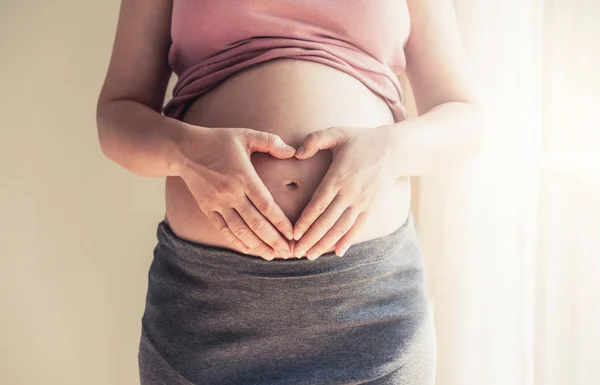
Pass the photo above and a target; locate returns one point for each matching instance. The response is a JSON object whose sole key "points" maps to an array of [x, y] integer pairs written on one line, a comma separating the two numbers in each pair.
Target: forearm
{"points": [[445, 136], [139, 138]]}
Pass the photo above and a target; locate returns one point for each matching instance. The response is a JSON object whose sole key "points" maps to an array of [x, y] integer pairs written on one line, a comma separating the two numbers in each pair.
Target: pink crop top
{"points": [[214, 39]]}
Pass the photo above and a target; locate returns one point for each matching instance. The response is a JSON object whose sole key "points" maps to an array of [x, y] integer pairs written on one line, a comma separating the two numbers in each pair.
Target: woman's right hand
{"points": [[216, 167]]}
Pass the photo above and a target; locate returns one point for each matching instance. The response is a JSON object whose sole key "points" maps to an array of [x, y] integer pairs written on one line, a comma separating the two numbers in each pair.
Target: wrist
{"points": [[178, 135], [398, 140]]}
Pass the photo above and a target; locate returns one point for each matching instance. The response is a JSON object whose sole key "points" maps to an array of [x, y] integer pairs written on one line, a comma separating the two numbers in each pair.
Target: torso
{"points": [[290, 98]]}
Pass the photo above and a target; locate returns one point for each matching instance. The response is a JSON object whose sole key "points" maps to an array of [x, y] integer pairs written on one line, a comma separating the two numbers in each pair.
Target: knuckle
{"points": [[234, 135], [264, 251], [331, 188], [254, 247], [366, 193], [342, 227], [232, 189], [353, 209], [256, 251], [276, 244], [251, 243], [229, 186], [244, 180], [256, 224], [241, 245], [278, 222], [240, 131], [271, 139], [326, 224], [243, 184], [363, 195], [340, 230], [311, 139], [337, 185], [224, 230], [240, 231], [319, 206], [279, 247], [266, 206]]}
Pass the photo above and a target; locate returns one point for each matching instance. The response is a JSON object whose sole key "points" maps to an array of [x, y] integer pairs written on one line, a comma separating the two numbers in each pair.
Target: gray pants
{"points": [[215, 316]]}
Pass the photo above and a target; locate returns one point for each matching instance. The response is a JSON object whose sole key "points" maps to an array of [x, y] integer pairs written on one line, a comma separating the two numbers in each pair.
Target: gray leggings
{"points": [[215, 316]]}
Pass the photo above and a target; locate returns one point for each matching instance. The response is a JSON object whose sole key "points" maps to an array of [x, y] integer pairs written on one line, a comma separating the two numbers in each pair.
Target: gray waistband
{"points": [[362, 253]]}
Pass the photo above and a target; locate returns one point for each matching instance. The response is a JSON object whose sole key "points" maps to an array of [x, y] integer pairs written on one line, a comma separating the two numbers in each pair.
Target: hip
{"points": [[217, 316]]}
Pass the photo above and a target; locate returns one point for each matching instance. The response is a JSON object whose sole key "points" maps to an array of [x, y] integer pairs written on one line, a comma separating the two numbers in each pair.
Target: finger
{"points": [[239, 229], [321, 226], [346, 241], [261, 229], [319, 140], [219, 223], [269, 143], [341, 228], [321, 199], [292, 248], [262, 199]]}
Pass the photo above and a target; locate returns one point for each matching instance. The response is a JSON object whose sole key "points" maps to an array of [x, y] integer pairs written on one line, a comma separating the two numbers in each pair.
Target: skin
{"points": [[128, 111], [448, 124], [215, 162], [284, 97]]}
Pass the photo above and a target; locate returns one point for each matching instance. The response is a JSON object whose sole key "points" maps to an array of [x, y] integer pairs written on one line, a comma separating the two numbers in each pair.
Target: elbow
{"points": [[103, 131], [471, 127]]}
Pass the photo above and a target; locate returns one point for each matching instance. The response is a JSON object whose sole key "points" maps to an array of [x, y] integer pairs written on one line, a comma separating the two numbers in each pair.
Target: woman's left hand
{"points": [[364, 166]]}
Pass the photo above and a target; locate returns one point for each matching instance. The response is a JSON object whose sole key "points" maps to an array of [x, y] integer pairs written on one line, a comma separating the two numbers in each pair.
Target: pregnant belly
{"points": [[290, 98]]}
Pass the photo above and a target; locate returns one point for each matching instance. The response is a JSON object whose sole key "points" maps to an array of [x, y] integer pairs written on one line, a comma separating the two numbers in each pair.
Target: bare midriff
{"points": [[290, 98]]}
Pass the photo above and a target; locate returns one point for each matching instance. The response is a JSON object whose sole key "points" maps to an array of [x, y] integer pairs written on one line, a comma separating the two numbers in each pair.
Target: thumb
{"points": [[269, 143], [320, 140]]}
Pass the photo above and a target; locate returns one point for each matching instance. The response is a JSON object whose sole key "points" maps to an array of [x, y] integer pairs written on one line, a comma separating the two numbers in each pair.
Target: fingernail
{"points": [[300, 150], [298, 235], [270, 255], [342, 252], [312, 255], [289, 148], [289, 235], [299, 253]]}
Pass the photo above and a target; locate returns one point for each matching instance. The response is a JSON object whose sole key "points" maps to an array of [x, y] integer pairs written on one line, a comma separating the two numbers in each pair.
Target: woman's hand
{"points": [[363, 168], [217, 169]]}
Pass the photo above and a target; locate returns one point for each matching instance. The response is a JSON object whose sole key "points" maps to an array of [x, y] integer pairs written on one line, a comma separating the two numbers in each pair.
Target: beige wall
{"points": [[77, 232]]}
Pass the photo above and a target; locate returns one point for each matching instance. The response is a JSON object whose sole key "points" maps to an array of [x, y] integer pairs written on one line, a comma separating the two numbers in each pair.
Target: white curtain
{"points": [[513, 241]]}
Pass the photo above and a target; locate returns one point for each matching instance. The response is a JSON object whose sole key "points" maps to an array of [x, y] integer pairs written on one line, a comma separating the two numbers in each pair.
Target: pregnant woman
{"points": [[287, 254]]}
